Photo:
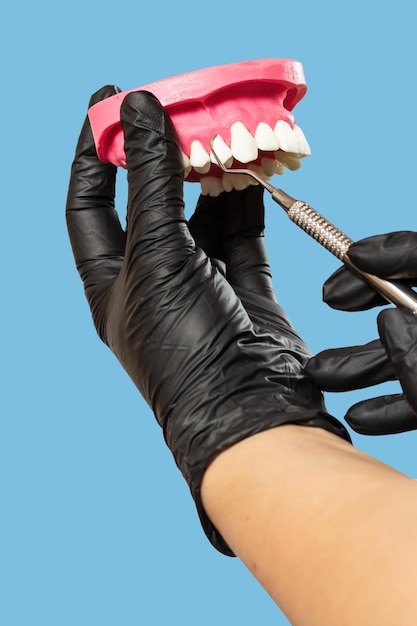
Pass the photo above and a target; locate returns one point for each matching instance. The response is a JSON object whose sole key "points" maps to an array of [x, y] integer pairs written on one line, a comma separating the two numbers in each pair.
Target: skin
{"points": [[328, 531]]}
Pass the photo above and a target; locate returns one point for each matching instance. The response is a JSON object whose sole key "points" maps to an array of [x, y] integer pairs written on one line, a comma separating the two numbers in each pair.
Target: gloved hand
{"points": [[393, 356], [213, 369]]}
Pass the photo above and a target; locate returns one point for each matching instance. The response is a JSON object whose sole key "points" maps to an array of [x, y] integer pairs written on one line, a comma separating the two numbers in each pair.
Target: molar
{"points": [[237, 181], [288, 160], [211, 186], [269, 167]]}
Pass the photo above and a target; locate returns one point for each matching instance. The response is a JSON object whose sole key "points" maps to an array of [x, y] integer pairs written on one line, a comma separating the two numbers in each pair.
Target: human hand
{"points": [[176, 324], [393, 356]]}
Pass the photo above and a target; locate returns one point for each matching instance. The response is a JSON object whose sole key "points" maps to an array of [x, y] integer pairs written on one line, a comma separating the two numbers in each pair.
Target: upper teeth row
{"points": [[244, 146]]}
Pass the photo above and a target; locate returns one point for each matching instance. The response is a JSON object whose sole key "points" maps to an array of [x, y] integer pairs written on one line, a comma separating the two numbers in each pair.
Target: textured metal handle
{"points": [[334, 240], [318, 227]]}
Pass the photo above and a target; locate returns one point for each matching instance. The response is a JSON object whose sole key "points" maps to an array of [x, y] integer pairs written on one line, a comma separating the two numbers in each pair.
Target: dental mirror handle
{"points": [[334, 240]]}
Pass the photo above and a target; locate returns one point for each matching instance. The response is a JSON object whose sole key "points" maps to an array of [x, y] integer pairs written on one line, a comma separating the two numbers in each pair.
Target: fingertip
{"points": [[86, 144], [383, 415], [143, 110], [343, 291], [391, 255], [362, 419], [397, 328], [103, 93]]}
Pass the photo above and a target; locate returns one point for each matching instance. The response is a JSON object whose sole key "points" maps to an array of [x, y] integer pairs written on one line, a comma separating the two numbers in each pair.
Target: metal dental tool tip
{"points": [[330, 237]]}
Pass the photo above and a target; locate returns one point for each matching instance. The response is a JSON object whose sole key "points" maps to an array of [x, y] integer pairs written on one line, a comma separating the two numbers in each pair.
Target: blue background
{"points": [[96, 525]]}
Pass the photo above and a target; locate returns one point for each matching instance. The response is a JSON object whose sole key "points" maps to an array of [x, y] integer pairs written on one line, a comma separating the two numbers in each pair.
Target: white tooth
{"points": [[243, 145], [265, 138], [258, 169], [245, 181], [286, 137], [269, 166], [227, 180], [203, 170], [186, 164], [211, 186], [222, 150], [302, 141], [289, 161], [199, 157], [237, 181]]}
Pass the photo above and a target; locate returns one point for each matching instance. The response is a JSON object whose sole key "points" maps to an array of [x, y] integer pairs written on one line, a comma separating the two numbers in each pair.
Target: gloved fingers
{"points": [[384, 415], [96, 235], [393, 255], [158, 239], [244, 214], [345, 291], [245, 252], [230, 228], [205, 224], [247, 266], [398, 331], [230, 225], [354, 367]]}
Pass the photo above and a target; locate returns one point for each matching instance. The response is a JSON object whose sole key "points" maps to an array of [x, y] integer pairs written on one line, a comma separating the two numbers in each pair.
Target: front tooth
{"points": [[286, 137], [186, 164], [211, 186], [199, 157], [243, 145], [304, 148], [265, 138], [222, 150]]}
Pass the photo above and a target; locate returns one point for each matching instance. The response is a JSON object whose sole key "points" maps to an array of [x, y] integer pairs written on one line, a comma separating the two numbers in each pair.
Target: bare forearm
{"points": [[328, 531]]}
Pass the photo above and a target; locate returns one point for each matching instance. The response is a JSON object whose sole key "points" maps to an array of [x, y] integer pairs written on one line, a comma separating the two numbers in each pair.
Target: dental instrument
{"points": [[330, 237]]}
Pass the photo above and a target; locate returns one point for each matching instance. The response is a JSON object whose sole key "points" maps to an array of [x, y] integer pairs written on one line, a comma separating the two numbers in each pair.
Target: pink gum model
{"points": [[207, 102]]}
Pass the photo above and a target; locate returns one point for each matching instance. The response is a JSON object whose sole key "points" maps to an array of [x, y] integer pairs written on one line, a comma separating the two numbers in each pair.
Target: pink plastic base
{"points": [[208, 101]]}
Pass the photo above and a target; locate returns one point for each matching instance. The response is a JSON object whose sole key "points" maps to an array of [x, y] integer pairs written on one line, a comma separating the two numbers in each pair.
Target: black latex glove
{"points": [[213, 370], [393, 356]]}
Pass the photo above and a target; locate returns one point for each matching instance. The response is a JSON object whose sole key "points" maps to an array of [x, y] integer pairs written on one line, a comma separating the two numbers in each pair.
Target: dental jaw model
{"points": [[247, 108], [238, 117]]}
